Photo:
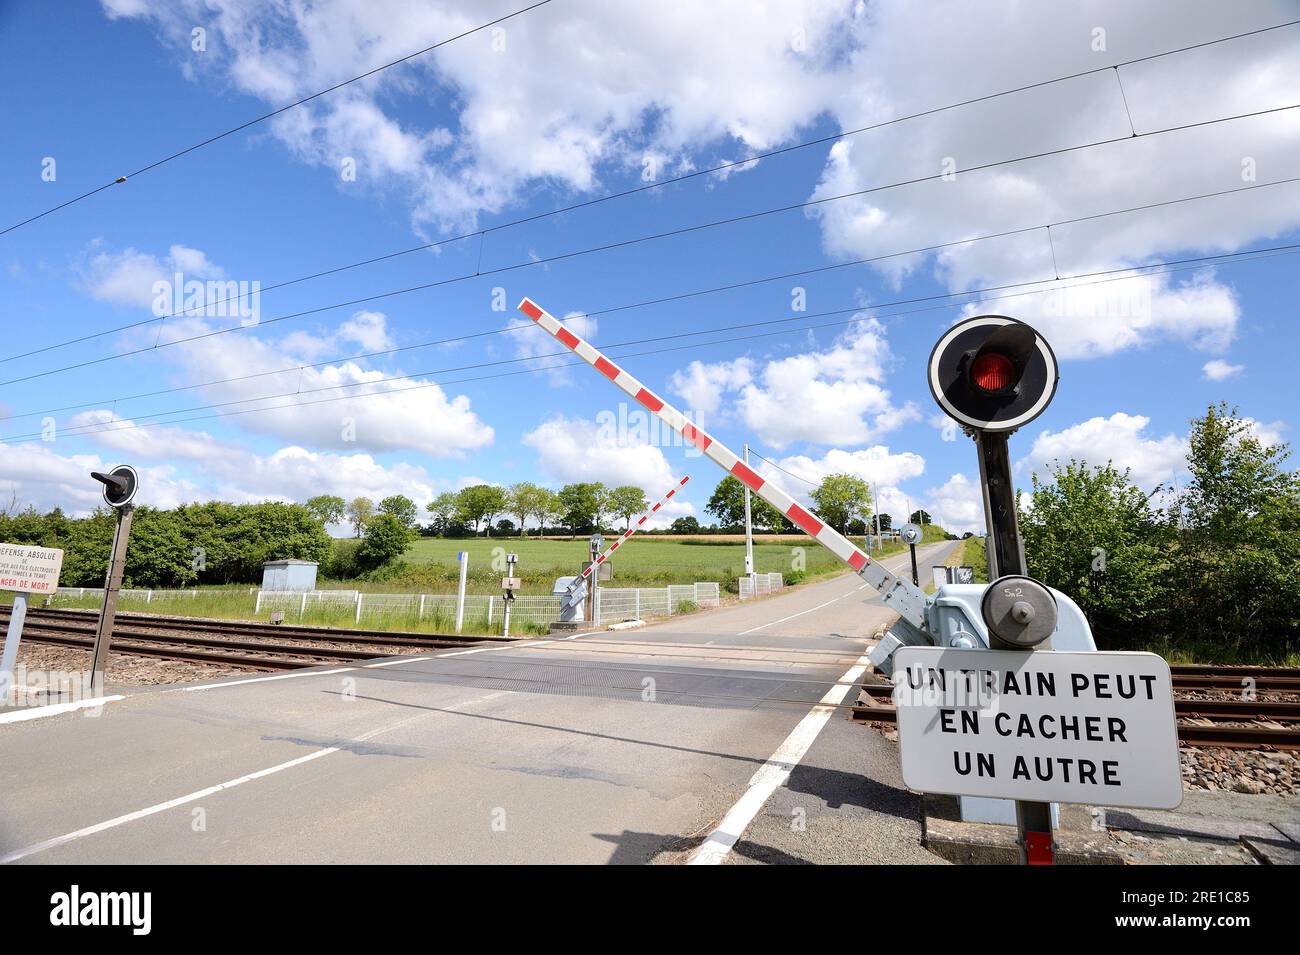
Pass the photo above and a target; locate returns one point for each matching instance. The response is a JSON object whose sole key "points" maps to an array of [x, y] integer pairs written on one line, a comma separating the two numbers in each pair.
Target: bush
{"points": [[342, 563], [386, 540]]}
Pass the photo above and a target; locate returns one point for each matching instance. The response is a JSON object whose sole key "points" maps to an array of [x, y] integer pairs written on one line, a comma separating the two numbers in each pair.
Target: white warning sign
{"points": [[1043, 726], [33, 570]]}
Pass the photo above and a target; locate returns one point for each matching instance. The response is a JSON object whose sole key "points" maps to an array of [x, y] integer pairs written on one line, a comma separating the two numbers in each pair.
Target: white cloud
{"points": [[127, 277], [315, 406], [704, 385], [34, 474], [957, 505], [178, 466], [832, 396], [638, 80], [1121, 439], [530, 342], [508, 121], [882, 469], [570, 450], [1088, 321], [911, 57], [1266, 434], [876, 465], [367, 329], [1216, 369]]}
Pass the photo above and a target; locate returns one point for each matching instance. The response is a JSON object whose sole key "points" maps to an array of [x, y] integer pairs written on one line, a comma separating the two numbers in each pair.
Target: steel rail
{"points": [[284, 631]]}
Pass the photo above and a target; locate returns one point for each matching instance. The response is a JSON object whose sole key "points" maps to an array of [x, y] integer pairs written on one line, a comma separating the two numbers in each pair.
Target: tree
{"points": [[360, 511], [443, 509], [727, 504], [401, 507], [840, 498], [1239, 545], [327, 508], [525, 500], [685, 525], [479, 503], [549, 510], [600, 499], [579, 505], [626, 501], [921, 518], [886, 522], [386, 540], [1092, 534]]}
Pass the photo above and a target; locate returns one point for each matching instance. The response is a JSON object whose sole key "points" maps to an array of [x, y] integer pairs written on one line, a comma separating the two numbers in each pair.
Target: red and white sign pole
{"points": [[633, 529], [902, 596]]}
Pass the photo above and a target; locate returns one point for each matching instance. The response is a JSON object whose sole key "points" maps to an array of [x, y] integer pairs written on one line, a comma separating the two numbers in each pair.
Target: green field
{"points": [[641, 562]]}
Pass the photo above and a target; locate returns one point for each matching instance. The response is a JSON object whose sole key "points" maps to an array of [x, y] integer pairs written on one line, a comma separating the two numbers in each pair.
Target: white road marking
{"points": [[393, 663], [773, 623], [54, 709], [773, 774], [257, 679], [208, 791]]}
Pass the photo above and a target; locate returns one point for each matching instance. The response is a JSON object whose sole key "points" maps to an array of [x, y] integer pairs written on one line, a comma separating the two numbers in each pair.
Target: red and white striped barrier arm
{"points": [[904, 597], [633, 529]]}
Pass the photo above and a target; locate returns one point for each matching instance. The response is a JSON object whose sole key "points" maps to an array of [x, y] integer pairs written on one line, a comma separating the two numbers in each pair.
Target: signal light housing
{"points": [[993, 373]]}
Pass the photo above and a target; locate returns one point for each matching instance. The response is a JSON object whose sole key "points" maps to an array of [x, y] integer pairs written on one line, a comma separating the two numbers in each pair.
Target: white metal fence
{"points": [[760, 585], [148, 596], [613, 603]]}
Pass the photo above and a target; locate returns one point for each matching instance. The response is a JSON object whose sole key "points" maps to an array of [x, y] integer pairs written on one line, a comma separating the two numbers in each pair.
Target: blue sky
{"points": [[574, 101]]}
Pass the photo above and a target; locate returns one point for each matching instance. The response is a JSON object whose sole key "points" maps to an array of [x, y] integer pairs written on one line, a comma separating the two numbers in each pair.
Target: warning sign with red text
{"points": [[30, 570]]}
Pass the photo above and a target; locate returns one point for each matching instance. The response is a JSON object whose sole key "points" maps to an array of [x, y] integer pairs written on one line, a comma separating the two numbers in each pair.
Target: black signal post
{"points": [[993, 375], [120, 485]]}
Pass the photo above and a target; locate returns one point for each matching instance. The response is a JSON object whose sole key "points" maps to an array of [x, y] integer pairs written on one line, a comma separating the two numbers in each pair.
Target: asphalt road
{"points": [[609, 748]]}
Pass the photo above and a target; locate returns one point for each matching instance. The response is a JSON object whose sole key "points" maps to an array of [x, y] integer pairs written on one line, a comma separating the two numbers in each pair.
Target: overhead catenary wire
{"points": [[1025, 290], [684, 295], [712, 170], [797, 477], [532, 262], [108, 427], [118, 180]]}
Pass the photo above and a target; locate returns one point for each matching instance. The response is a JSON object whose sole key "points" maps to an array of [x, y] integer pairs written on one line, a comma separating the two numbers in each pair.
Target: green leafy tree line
{"points": [[211, 543], [1213, 571]]}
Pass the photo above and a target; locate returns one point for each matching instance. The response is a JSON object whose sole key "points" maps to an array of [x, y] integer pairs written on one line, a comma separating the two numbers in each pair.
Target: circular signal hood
{"points": [[993, 373], [120, 484]]}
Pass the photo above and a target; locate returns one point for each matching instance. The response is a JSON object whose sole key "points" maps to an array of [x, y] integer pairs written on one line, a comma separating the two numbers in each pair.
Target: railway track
{"points": [[1282, 731], [289, 647], [262, 647]]}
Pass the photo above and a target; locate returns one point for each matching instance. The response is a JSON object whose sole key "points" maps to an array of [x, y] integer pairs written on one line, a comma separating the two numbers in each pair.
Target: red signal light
{"points": [[993, 371]]}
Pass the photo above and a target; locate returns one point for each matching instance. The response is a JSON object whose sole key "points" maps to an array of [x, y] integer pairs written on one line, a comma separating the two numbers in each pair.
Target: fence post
{"points": [[421, 616], [257, 607], [148, 596], [302, 608], [359, 596], [669, 592], [463, 557], [490, 599], [637, 595]]}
